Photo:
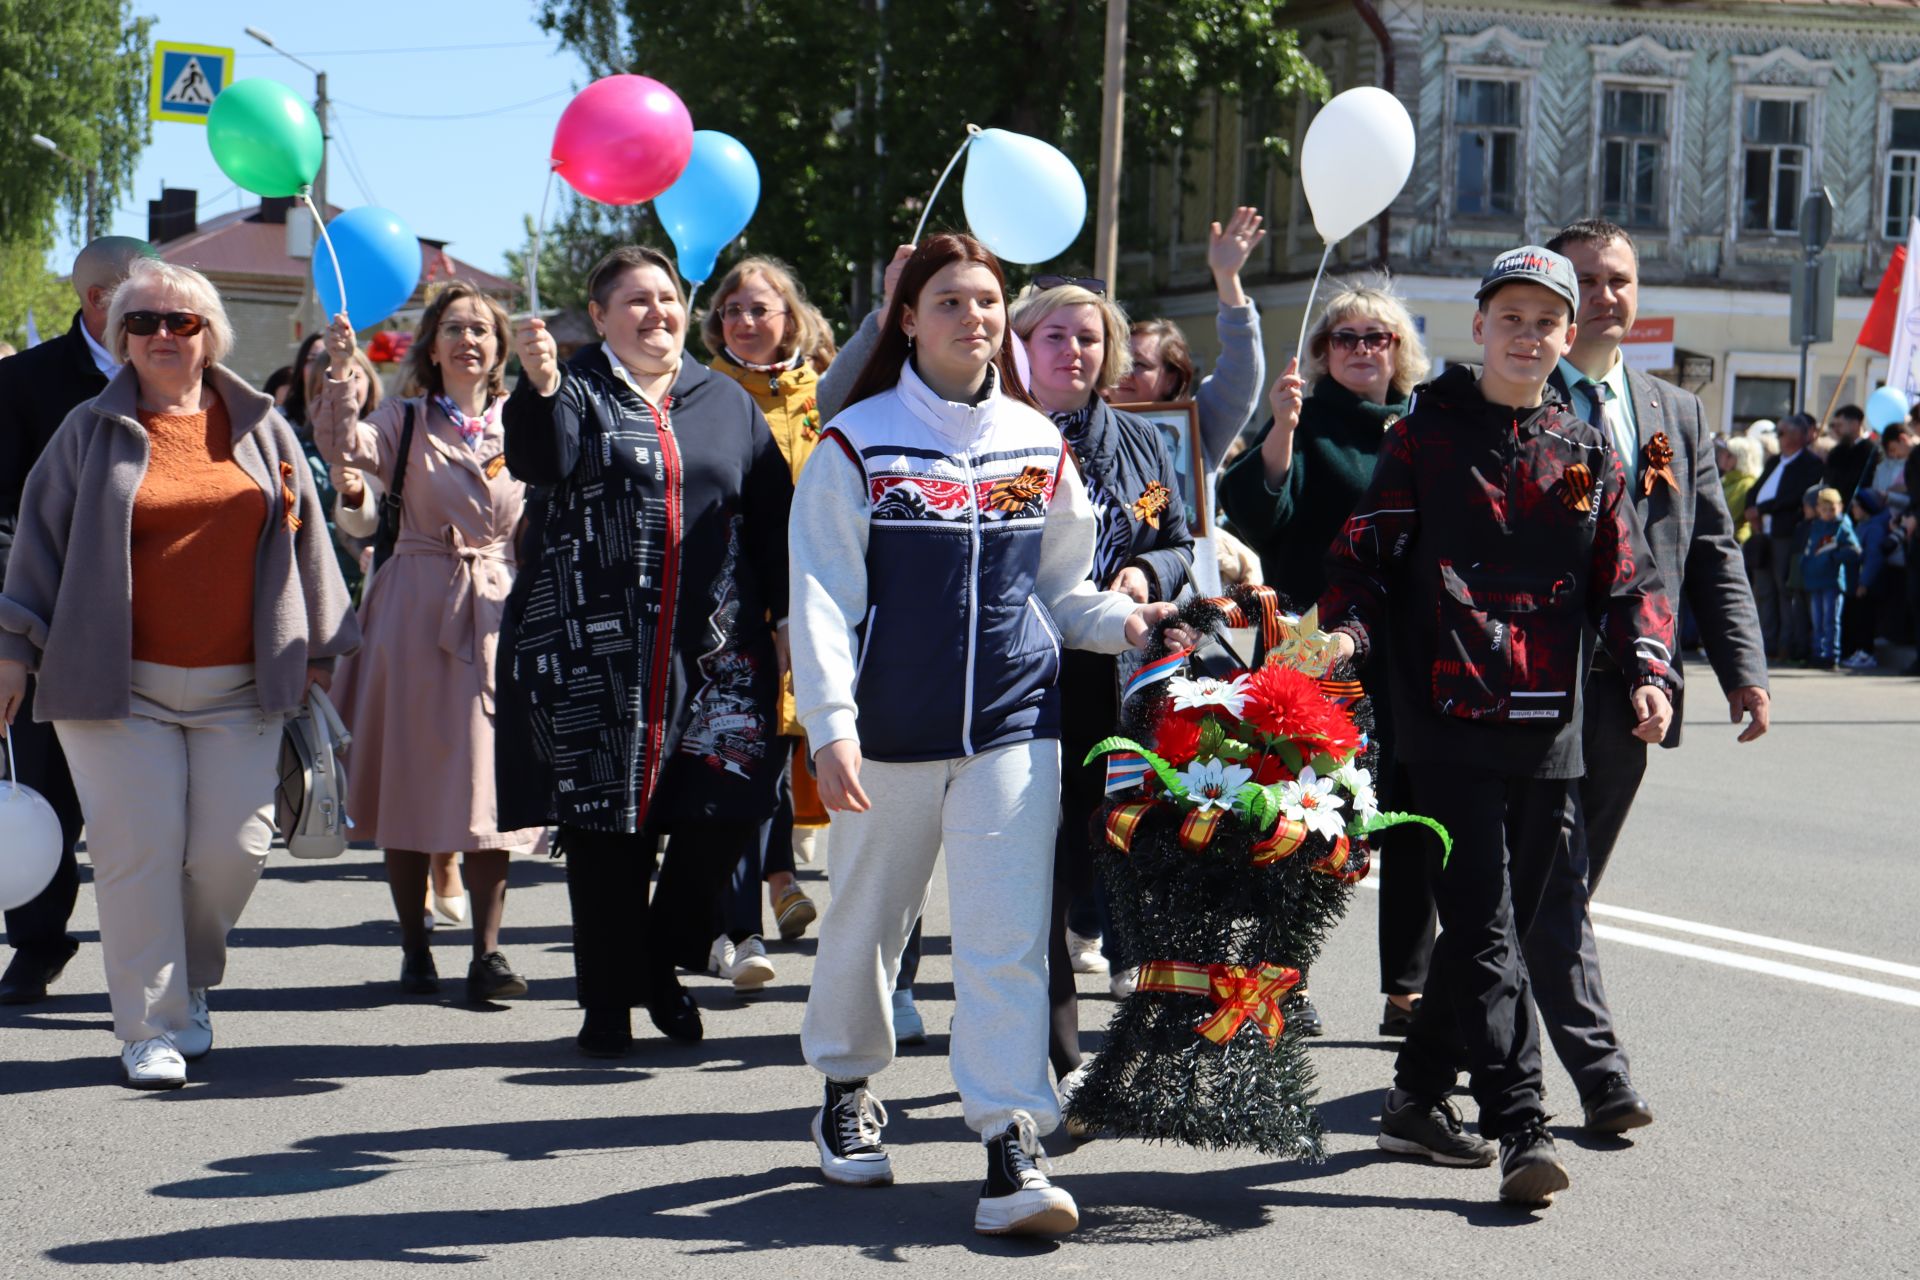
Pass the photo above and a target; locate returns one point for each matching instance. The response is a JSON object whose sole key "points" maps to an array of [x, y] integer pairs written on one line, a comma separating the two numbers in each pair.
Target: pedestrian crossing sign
{"points": [[186, 79]]}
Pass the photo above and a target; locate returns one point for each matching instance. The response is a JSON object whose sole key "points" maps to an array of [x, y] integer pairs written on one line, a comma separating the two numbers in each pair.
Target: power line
{"points": [[351, 155], [456, 115], [410, 52]]}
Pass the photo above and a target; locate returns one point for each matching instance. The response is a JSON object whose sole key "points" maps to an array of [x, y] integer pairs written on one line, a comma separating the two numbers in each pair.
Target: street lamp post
{"points": [[45, 143]]}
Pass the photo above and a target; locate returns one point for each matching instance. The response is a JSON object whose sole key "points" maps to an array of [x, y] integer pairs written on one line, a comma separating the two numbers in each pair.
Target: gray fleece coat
{"points": [[67, 610]]}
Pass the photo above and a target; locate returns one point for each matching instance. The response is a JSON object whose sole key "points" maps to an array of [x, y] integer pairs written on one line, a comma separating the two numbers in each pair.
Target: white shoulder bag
{"points": [[310, 804]]}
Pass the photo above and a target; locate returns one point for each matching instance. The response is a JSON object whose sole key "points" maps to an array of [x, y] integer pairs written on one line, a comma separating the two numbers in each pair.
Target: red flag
{"points": [[1876, 333]]}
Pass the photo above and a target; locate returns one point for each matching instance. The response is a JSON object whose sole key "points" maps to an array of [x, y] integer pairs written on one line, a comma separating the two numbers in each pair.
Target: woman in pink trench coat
{"points": [[418, 698]]}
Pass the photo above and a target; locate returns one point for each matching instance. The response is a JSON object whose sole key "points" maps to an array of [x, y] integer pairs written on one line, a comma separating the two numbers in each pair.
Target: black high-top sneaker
{"points": [[846, 1128], [1017, 1198], [1531, 1171]]}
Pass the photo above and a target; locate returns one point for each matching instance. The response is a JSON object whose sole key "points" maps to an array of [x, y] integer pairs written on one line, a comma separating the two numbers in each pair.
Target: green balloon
{"points": [[265, 137]]}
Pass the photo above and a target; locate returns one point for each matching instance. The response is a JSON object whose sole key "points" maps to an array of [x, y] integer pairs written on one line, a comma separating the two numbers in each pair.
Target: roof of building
{"points": [[243, 243]]}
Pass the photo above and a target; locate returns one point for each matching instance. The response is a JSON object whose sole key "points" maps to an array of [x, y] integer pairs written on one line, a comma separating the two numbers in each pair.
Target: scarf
{"points": [[778, 367], [471, 429]]}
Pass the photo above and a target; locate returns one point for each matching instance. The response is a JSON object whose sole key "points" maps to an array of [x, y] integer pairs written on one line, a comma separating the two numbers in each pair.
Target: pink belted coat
{"points": [[418, 697]]}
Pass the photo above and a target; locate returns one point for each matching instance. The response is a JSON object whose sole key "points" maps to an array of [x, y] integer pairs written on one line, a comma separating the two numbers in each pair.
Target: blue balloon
{"points": [[1885, 407], [710, 203], [379, 260], [1023, 197]]}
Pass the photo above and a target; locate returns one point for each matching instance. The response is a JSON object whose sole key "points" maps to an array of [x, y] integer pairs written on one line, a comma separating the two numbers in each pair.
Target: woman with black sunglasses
{"points": [[1288, 496]]}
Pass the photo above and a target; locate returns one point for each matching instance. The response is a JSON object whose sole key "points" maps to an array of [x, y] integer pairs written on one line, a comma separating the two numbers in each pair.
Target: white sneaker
{"points": [[196, 1040], [720, 957], [751, 970], [1019, 1198], [846, 1131], [153, 1064], [1084, 953], [1124, 983]]}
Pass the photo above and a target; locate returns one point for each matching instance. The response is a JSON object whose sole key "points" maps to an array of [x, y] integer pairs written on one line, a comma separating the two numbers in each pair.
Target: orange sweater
{"points": [[196, 533]]}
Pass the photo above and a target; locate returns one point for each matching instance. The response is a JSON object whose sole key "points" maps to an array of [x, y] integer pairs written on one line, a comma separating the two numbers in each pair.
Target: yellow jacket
{"points": [[787, 400]]}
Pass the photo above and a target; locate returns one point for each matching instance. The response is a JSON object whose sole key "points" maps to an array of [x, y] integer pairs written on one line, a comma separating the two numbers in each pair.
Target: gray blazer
{"points": [[1691, 536]]}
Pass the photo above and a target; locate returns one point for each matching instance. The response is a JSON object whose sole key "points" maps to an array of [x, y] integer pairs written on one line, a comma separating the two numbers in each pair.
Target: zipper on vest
{"points": [[973, 598]]}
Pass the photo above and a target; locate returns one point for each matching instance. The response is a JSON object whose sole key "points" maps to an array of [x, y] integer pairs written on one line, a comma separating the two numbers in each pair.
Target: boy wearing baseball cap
{"points": [[1495, 530]]}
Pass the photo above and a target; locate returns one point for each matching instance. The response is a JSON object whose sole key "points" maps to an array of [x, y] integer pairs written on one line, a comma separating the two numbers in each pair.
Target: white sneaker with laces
{"points": [[1019, 1198], [1124, 983], [153, 1064], [751, 970], [196, 1039], [720, 957], [1084, 953], [846, 1129]]}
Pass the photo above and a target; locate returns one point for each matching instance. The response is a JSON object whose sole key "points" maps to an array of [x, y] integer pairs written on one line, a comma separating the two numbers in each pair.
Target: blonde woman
{"points": [[1076, 340], [1288, 496], [171, 581]]}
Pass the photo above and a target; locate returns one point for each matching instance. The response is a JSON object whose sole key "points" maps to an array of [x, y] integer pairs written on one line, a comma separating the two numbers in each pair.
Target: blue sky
{"points": [[468, 178]]}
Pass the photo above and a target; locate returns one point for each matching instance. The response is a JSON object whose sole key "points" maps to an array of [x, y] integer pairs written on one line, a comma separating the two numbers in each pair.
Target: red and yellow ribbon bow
{"points": [[1239, 993], [289, 499]]}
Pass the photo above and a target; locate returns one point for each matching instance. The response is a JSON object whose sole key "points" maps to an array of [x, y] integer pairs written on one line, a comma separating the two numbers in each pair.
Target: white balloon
{"points": [[1355, 159], [1023, 197], [29, 845]]}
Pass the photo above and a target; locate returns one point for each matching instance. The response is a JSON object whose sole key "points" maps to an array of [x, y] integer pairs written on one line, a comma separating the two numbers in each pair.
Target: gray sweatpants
{"points": [[995, 813]]}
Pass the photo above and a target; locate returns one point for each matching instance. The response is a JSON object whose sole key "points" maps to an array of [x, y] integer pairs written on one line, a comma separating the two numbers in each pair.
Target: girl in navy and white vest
{"points": [[940, 550]]}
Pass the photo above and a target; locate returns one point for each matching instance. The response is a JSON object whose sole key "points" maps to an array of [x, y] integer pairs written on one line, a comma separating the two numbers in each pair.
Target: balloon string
{"points": [[338, 280], [533, 263], [973, 131], [1300, 347]]}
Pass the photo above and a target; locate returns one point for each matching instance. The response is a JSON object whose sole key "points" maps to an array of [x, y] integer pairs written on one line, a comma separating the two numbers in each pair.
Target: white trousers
{"points": [[995, 813], [178, 799]]}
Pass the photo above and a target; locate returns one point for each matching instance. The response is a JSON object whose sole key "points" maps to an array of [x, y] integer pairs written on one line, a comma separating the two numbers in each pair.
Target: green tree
{"points": [[76, 72], [27, 286], [852, 109]]}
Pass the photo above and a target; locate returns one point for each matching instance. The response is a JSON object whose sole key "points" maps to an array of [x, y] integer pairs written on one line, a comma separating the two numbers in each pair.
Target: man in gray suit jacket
{"points": [[1666, 448]]}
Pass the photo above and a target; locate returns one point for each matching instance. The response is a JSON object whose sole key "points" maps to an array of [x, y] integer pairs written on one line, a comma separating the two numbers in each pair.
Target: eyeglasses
{"points": [[1092, 284], [454, 331], [144, 324], [733, 312], [1373, 340]]}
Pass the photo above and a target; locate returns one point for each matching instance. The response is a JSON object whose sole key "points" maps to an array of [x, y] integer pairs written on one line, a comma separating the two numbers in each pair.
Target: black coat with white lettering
{"points": [[638, 680]]}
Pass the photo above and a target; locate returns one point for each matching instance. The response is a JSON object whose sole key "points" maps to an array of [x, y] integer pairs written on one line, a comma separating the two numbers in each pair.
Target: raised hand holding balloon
{"points": [[267, 139], [622, 140], [710, 203], [1353, 162]]}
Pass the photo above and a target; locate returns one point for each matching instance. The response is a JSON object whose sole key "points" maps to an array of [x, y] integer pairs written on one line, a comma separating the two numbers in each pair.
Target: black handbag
{"points": [[389, 531]]}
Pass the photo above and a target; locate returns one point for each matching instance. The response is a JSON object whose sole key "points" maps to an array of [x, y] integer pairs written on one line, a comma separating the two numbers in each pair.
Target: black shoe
{"points": [[1616, 1107], [418, 977], [1300, 1014], [1530, 1167], [1018, 1199], [606, 1033], [846, 1129], [1430, 1127], [677, 1016], [29, 974], [1395, 1021], [490, 977]]}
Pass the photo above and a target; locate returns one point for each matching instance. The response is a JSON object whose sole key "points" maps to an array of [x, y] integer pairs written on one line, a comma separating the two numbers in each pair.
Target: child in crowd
{"points": [[1494, 539], [1829, 548], [941, 547]]}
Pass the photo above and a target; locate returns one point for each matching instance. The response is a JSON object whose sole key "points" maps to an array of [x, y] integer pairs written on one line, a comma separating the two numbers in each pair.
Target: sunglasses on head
{"points": [[1092, 284], [1373, 340], [144, 324]]}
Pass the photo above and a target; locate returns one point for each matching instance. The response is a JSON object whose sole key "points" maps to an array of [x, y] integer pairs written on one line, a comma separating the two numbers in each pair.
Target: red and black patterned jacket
{"points": [[1488, 539]]}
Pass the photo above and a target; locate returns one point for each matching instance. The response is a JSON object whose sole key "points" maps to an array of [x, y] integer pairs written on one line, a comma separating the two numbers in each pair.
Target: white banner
{"points": [[1903, 369]]}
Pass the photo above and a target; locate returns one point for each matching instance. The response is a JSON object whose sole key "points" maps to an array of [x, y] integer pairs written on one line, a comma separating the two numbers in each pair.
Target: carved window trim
{"points": [[1737, 153], [1675, 92], [1493, 53]]}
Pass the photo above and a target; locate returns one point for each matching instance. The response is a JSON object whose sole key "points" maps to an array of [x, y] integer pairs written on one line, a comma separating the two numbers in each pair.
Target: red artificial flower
{"points": [[1284, 703], [1177, 739], [1269, 769]]}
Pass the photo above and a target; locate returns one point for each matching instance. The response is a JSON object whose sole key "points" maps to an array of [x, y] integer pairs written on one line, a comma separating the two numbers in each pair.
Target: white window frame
{"points": [[1809, 170], [1521, 152], [1883, 196]]}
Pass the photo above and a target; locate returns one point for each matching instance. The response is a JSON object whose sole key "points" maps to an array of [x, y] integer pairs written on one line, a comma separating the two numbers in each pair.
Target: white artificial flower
{"points": [[1213, 784], [1357, 784], [1198, 695], [1309, 799]]}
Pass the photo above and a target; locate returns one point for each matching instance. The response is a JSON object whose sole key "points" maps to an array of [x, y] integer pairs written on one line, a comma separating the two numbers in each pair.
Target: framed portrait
{"points": [[1179, 424]]}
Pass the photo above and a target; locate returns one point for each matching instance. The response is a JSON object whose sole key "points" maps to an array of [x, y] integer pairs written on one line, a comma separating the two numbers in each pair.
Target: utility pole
{"points": [[1106, 235]]}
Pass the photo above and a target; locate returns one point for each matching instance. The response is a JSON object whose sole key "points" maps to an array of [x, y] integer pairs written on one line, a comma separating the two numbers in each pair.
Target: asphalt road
{"points": [[341, 1130]]}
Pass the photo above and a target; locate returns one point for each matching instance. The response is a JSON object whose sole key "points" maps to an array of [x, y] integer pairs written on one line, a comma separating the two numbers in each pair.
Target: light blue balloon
{"points": [[710, 203], [1885, 407], [1023, 197], [379, 259]]}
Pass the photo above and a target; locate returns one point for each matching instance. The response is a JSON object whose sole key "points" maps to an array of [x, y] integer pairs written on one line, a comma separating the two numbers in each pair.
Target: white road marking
{"points": [[1755, 964]]}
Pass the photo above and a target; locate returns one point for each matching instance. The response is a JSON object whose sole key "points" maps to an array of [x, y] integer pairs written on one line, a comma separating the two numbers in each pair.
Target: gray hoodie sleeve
{"points": [[830, 396], [1229, 395], [827, 592]]}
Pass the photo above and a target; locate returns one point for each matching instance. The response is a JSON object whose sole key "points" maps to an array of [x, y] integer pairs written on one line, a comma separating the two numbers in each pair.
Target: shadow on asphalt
{"points": [[731, 1213]]}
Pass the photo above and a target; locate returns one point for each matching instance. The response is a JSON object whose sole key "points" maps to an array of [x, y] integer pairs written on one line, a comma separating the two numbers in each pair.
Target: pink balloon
{"points": [[623, 139]]}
